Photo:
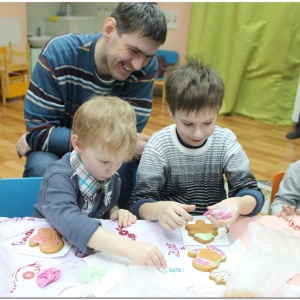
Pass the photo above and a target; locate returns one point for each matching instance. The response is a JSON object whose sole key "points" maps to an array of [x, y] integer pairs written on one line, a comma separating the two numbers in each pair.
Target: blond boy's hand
{"points": [[125, 217], [146, 254], [172, 215]]}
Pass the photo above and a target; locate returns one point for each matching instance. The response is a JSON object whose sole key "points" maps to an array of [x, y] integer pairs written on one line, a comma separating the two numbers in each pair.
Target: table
{"points": [[122, 279]]}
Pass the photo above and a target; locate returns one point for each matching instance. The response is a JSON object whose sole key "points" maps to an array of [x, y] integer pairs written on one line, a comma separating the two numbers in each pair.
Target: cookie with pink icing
{"points": [[206, 259], [48, 239]]}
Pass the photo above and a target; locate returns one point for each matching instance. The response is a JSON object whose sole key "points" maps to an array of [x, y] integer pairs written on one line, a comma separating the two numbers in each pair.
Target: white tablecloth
{"points": [[122, 279]]}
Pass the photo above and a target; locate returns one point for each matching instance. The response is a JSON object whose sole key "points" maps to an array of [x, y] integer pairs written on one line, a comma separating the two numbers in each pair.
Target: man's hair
{"points": [[193, 86], [147, 18], [107, 120]]}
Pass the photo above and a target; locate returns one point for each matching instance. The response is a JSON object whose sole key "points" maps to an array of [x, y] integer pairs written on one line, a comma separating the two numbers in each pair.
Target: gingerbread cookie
{"points": [[48, 239], [202, 232], [206, 259], [219, 275]]}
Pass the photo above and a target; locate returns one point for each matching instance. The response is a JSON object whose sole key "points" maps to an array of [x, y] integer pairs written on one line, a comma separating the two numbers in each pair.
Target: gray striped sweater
{"points": [[170, 171]]}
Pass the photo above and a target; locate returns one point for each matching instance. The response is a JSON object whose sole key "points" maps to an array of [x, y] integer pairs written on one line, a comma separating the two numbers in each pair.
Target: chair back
{"points": [[171, 57], [276, 183], [18, 195]]}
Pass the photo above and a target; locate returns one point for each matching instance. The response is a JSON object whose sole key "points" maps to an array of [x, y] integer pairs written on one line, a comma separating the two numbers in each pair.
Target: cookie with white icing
{"points": [[219, 275]]}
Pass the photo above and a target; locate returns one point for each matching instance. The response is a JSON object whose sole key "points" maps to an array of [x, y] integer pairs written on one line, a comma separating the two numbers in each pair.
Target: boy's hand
{"points": [[146, 254], [288, 211], [125, 217], [230, 203], [172, 215]]}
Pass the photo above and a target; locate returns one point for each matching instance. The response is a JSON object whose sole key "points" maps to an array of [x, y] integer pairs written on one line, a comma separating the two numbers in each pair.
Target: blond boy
{"points": [[83, 185]]}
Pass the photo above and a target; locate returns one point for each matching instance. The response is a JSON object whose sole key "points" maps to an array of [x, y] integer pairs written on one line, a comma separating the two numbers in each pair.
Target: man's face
{"points": [[196, 127], [128, 53]]}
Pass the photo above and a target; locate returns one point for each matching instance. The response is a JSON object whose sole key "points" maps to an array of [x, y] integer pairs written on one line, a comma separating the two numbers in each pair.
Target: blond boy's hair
{"points": [[109, 120]]}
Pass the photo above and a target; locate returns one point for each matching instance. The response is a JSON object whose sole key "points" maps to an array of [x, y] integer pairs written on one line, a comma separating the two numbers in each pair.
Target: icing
{"points": [[216, 250], [204, 236], [45, 236], [220, 274], [47, 276], [203, 261], [92, 273]]}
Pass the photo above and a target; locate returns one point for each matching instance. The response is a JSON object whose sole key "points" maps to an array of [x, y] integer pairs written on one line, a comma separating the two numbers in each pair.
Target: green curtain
{"points": [[256, 49]]}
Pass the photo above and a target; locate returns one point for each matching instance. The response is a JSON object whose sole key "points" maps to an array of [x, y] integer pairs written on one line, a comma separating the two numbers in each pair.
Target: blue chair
{"points": [[18, 195], [165, 58]]}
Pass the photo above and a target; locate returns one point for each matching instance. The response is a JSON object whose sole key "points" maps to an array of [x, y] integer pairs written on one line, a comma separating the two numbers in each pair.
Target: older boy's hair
{"points": [[109, 120], [147, 18], [194, 86]]}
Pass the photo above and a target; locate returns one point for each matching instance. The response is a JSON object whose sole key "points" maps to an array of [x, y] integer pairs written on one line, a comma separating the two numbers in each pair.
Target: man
{"points": [[120, 61]]}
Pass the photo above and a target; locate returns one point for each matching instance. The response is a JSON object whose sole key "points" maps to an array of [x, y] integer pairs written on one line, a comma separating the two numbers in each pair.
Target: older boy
{"points": [[183, 165], [83, 185]]}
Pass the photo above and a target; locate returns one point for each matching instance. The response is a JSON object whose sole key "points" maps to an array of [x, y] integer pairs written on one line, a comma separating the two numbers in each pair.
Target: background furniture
{"points": [[18, 195], [165, 59], [14, 72], [276, 182]]}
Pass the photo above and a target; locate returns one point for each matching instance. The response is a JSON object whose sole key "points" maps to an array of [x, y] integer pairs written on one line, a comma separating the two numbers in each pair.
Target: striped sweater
{"points": [[170, 171], [63, 79]]}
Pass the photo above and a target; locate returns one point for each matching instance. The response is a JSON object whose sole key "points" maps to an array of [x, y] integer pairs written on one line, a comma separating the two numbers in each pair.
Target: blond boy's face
{"points": [[99, 162], [194, 128]]}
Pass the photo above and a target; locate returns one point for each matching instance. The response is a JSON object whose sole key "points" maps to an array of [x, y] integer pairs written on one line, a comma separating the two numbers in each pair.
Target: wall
{"points": [[15, 10], [176, 40]]}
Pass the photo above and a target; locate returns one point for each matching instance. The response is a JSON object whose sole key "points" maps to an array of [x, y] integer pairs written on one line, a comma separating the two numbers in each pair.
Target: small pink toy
{"points": [[47, 276]]}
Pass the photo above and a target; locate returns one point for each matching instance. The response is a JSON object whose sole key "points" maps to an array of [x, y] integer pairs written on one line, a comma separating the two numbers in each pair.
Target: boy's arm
{"points": [[289, 189], [139, 253]]}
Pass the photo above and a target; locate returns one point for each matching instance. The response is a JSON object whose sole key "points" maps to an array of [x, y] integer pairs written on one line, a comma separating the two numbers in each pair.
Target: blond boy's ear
{"points": [[75, 143]]}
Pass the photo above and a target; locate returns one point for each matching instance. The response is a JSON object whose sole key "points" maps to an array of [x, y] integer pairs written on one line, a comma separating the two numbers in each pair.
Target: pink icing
{"points": [[44, 238], [219, 213], [47, 276], [204, 262], [216, 250]]}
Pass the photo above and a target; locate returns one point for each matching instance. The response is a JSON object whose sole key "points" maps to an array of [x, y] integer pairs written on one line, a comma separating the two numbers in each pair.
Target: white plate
{"points": [[35, 251], [222, 239]]}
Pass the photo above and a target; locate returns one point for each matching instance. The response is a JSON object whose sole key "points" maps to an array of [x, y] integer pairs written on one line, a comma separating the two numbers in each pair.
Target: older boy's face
{"points": [[194, 128]]}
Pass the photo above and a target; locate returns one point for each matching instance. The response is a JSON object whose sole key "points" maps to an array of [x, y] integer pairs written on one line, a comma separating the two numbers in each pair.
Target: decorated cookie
{"points": [[202, 232], [219, 275], [48, 239], [206, 259]]}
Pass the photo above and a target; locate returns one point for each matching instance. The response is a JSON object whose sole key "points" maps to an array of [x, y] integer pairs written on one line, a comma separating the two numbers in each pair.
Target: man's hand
{"points": [[22, 147], [142, 140]]}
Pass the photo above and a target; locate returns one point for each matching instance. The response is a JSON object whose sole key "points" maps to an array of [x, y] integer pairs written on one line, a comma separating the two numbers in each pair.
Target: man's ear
{"points": [[75, 142], [109, 25]]}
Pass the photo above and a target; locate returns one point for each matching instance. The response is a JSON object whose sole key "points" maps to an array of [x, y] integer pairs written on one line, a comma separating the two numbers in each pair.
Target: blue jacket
{"points": [[60, 202]]}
